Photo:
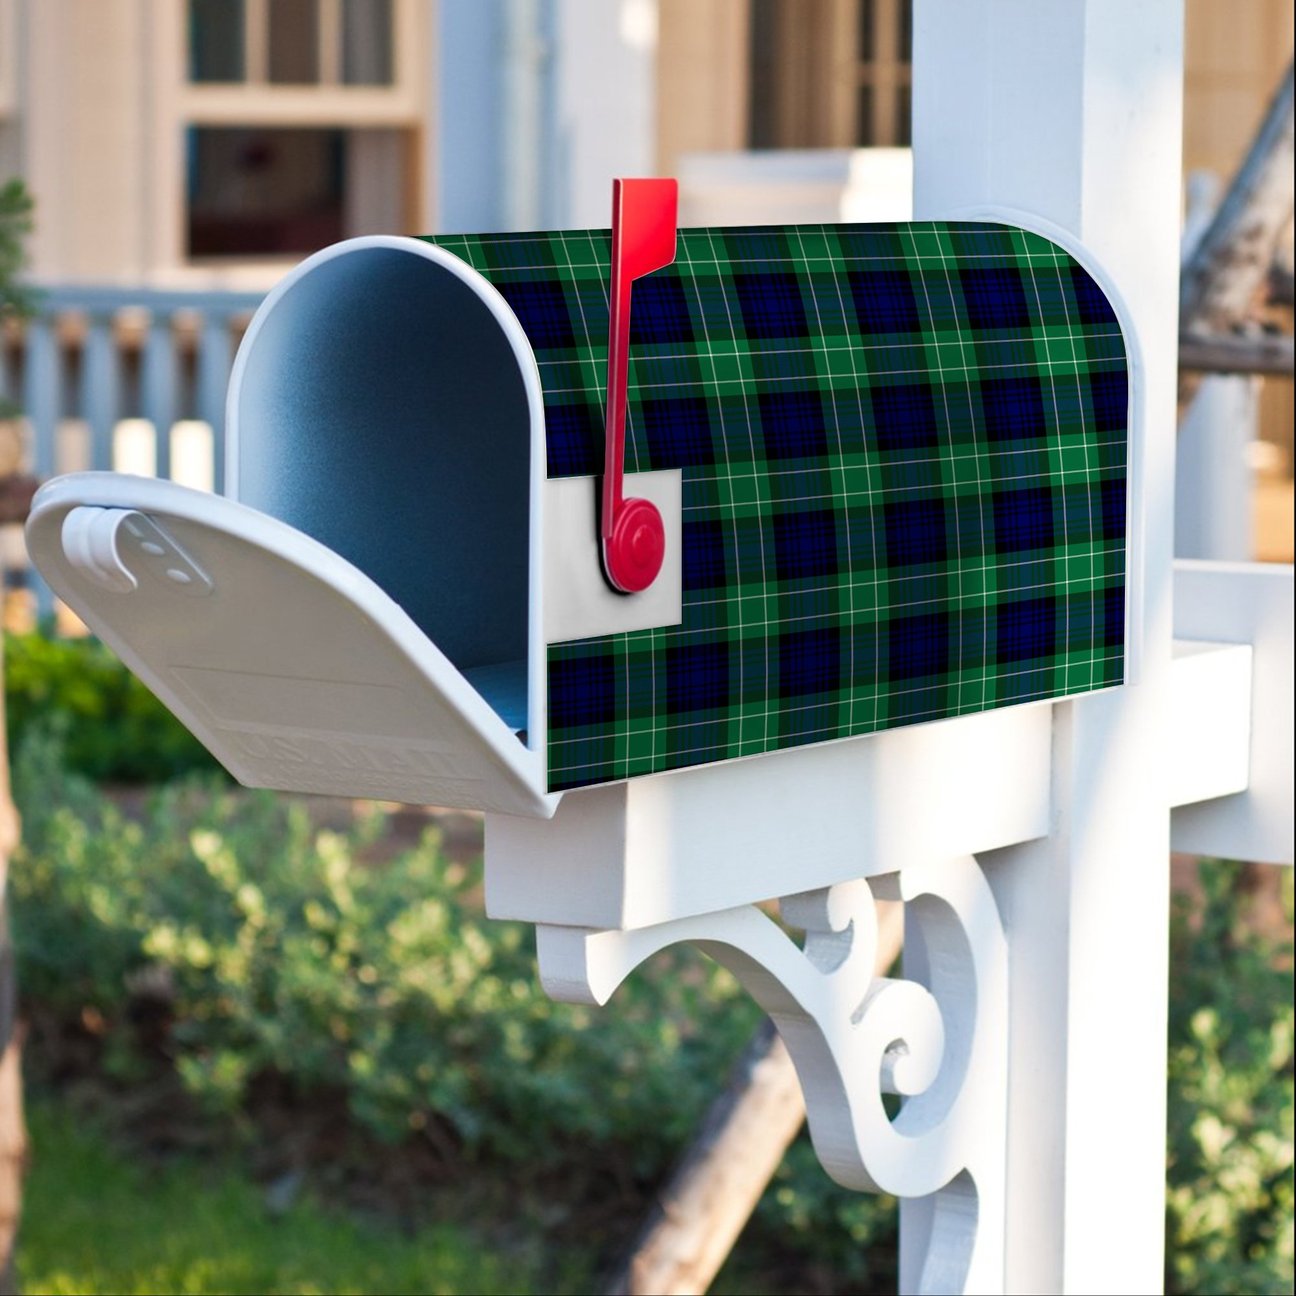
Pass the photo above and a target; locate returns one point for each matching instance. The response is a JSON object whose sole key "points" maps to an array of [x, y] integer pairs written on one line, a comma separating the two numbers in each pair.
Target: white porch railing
{"points": [[131, 380]]}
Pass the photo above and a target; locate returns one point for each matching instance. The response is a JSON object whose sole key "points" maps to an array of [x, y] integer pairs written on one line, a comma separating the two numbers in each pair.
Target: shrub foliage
{"points": [[112, 728], [280, 951], [1229, 1200]]}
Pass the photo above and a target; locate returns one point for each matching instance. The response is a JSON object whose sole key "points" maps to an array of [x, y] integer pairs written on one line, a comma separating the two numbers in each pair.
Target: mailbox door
{"points": [[286, 661]]}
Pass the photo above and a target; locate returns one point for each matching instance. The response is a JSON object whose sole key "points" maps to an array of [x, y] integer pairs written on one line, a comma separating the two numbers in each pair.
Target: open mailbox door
{"points": [[293, 667]]}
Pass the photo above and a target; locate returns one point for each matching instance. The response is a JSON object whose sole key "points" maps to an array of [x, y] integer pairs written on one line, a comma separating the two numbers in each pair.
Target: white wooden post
{"points": [[603, 87], [1072, 112], [1214, 511]]}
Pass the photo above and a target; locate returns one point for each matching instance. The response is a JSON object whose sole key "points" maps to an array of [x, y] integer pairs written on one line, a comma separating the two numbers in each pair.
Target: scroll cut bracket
{"points": [[937, 1037]]}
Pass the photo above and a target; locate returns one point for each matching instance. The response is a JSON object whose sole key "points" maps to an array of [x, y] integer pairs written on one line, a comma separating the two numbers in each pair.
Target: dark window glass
{"points": [[367, 40], [904, 32], [904, 115], [866, 21], [256, 192], [216, 40], [294, 42], [864, 115], [763, 52]]}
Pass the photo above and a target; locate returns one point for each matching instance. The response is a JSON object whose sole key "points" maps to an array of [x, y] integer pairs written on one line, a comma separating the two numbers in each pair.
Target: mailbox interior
{"points": [[386, 403]]}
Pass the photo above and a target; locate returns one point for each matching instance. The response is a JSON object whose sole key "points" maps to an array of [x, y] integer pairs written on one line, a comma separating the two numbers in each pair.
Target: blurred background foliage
{"points": [[323, 1012], [112, 728]]}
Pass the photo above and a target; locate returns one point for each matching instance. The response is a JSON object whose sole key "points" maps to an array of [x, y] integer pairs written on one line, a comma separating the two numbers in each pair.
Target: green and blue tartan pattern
{"points": [[904, 471]]}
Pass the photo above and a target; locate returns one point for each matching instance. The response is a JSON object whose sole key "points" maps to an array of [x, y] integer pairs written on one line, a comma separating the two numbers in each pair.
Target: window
{"points": [[294, 123], [291, 42], [830, 73], [884, 71], [216, 50], [366, 42], [257, 192], [264, 192], [293, 53]]}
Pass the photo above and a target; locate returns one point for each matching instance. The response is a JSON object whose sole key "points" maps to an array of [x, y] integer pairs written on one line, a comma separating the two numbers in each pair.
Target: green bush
{"points": [[847, 1240], [281, 953], [113, 728], [1229, 1202]]}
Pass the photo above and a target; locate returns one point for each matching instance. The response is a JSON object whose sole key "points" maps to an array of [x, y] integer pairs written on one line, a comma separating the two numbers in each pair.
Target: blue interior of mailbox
{"points": [[382, 412]]}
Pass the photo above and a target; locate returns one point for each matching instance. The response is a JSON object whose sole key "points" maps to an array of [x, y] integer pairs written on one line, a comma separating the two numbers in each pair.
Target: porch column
{"points": [[1072, 113]]}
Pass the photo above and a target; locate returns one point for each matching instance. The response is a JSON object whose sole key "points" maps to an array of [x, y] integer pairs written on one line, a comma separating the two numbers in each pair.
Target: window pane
{"points": [[294, 42], [904, 33], [367, 42], [867, 19], [903, 118], [216, 40], [864, 116], [762, 89], [265, 192]]}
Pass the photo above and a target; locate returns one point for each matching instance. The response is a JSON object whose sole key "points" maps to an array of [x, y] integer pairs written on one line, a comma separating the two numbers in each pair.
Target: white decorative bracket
{"points": [[936, 1037]]}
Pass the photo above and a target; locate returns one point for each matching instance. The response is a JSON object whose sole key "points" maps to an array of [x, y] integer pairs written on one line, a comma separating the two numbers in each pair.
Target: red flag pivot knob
{"points": [[633, 553]]}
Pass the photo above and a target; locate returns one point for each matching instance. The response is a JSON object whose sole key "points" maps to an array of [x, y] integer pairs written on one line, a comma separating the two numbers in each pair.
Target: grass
{"points": [[97, 1221]]}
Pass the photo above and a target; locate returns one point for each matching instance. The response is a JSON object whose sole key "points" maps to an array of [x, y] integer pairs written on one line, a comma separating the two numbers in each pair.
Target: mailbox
{"points": [[887, 465]]}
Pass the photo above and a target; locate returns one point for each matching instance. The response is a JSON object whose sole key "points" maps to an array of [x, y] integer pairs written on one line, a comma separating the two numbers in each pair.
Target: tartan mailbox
{"points": [[889, 463], [877, 476]]}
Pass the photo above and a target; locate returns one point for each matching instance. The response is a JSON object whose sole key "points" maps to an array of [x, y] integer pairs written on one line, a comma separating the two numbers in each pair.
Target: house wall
{"points": [[95, 115], [702, 82], [467, 75], [539, 104], [1231, 67], [615, 86], [1233, 58], [82, 114], [605, 95]]}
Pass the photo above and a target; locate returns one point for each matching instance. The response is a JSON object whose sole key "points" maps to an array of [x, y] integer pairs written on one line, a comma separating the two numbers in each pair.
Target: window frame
{"points": [[180, 103], [815, 98], [255, 100]]}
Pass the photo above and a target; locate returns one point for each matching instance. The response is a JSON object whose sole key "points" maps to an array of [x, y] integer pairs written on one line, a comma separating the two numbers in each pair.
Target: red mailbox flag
{"points": [[644, 217]]}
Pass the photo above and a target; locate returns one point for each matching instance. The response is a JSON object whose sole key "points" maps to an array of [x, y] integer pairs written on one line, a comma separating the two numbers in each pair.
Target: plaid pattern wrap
{"points": [[904, 464]]}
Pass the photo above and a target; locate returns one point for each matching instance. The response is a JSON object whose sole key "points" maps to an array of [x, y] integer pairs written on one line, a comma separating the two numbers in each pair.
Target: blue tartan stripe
{"points": [[793, 424], [541, 308], [994, 298], [884, 301], [1013, 409], [771, 305], [1026, 629], [805, 544], [904, 416], [1023, 519], [915, 531]]}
